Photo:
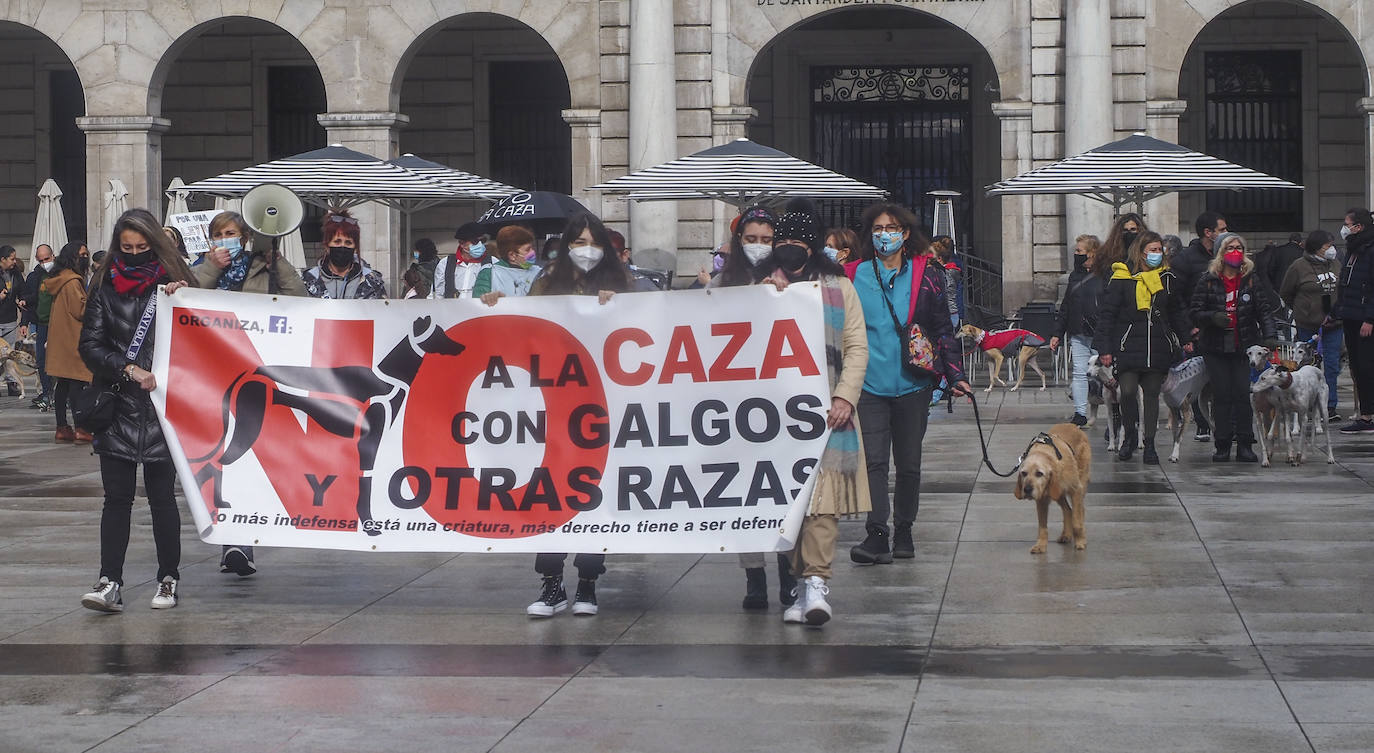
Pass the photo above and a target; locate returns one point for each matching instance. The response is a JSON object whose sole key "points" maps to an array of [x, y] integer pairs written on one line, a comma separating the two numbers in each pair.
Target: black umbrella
{"points": [[546, 211]]}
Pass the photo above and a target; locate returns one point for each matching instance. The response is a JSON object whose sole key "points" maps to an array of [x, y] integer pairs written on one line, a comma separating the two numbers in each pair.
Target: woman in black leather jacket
{"points": [[141, 257]]}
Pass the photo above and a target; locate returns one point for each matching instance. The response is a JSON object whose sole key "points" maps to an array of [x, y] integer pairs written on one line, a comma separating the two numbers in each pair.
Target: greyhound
{"points": [[1185, 381]]}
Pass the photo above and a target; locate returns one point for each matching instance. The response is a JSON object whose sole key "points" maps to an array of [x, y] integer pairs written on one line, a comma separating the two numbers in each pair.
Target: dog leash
{"points": [[978, 420]]}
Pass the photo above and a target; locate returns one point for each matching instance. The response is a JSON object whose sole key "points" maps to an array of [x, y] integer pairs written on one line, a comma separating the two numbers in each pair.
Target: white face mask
{"points": [[1345, 232], [586, 257], [1330, 253], [47, 266], [757, 252]]}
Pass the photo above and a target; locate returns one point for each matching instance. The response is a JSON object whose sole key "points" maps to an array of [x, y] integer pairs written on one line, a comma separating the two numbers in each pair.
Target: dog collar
{"points": [[1041, 438]]}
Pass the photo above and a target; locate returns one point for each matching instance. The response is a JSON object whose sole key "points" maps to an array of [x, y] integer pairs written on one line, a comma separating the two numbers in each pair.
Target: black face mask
{"points": [[1079, 260], [341, 256], [791, 257], [83, 264], [1128, 238], [134, 260]]}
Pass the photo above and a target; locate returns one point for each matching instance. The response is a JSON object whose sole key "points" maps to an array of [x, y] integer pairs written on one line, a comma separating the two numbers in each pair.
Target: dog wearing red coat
{"points": [[998, 344]]}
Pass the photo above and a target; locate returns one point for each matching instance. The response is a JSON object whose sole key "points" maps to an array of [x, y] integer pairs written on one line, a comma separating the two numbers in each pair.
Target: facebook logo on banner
{"points": [[277, 324]]}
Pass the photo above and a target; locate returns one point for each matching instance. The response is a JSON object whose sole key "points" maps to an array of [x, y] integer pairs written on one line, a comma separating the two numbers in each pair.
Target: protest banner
{"points": [[195, 230], [659, 422]]}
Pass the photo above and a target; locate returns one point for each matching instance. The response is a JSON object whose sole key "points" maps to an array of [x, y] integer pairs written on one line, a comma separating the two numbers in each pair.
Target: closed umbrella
{"points": [[546, 211], [176, 199], [113, 202], [739, 173], [226, 204], [1135, 170], [49, 226]]}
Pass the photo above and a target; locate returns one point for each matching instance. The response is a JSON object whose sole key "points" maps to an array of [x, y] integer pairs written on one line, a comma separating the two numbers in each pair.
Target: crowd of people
{"points": [[877, 287], [1142, 303]]}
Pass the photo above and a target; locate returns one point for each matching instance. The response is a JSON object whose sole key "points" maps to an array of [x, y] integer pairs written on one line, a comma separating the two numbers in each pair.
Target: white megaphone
{"points": [[273, 210]]}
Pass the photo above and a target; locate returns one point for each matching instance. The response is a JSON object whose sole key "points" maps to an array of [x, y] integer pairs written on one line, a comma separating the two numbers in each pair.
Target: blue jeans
{"points": [[1080, 350], [1331, 360]]}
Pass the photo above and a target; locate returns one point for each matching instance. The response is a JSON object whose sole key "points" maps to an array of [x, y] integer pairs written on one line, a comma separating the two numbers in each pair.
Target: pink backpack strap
{"points": [[918, 274]]}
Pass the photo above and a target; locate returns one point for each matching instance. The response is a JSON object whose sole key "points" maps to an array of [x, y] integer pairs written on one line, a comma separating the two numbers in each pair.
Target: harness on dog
{"points": [[1041, 438]]}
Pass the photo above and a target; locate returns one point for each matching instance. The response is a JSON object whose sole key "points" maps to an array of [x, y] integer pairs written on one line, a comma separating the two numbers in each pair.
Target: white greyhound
{"points": [[1299, 399]]}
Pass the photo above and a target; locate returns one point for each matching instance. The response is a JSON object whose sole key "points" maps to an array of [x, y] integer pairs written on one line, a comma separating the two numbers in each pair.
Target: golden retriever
{"points": [[1057, 468]]}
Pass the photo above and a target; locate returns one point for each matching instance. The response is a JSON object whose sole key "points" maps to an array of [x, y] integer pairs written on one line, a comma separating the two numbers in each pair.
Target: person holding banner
{"points": [[899, 285], [455, 275], [840, 479], [585, 265], [239, 261], [117, 345], [508, 272], [342, 275]]}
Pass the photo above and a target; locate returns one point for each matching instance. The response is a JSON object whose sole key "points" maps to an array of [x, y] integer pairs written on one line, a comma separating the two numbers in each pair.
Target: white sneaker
{"points": [[552, 598], [105, 597], [793, 614], [817, 609], [584, 602], [166, 596]]}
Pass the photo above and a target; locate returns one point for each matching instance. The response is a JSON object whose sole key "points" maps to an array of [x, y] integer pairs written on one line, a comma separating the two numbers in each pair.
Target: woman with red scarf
{"points": [[1231, 310], [117, 346]]}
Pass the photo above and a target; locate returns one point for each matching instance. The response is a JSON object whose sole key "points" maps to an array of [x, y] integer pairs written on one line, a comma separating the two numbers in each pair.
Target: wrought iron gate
{"points": [[907, 129], [1254, 118], [531, 145]]}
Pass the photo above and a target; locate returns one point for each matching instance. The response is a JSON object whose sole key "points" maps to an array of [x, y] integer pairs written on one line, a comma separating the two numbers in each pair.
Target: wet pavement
{"points": [[1217, 608]]}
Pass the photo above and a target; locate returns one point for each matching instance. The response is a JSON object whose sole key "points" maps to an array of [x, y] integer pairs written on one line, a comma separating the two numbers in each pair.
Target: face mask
{"points": [[586, 257], [791, 257], [232, 245], [887, 243], [415, 255], [717, 262], [47, 266], [1345, 232], [757, 252], [135, 260], [1128, 238], [1330, 253], [477, 250], [1233, 259], [1080, 262], [1153, 260], [341, 256], [832, 253], [531, 256]]}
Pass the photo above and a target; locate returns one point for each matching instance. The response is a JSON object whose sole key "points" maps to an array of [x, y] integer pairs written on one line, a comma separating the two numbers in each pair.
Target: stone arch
{"points": [[565, 30], [1186, 19], [1005, 38]]}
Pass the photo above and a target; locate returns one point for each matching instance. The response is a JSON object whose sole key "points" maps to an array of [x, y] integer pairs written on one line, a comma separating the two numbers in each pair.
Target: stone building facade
{"points": [[913, 94]]}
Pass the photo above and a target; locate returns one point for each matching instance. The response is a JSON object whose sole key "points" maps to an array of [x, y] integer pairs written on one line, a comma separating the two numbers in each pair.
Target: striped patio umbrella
{"points": [[1135, 170], [739, 173], [468, 185], [334, 176]]}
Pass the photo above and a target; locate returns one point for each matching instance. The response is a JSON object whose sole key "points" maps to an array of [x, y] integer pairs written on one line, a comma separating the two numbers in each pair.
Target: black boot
{"points": [[1128, 444], [1223, 453], [903, 548], [755, 588], [872, 550], [787, 583], [1149, 456], [1244, 454]]}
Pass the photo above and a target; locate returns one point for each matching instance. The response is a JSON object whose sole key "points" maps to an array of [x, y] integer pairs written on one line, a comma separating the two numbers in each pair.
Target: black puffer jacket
{"points": [[1078, 311], [1356, 302], [1138, 339], [1254, 314], [1189, 266], [111, 319]]}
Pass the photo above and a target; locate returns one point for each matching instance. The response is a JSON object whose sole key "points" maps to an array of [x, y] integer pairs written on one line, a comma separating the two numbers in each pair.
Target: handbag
{"points": [[94, 408], [919, 355]]}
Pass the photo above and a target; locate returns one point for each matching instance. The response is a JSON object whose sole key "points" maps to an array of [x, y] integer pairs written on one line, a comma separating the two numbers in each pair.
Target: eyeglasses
{"points": [[888, 228], [343, 219]]}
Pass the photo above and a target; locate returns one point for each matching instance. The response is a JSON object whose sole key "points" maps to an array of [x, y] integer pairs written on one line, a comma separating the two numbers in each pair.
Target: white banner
{"points": [[660, 422], [195, 230]]}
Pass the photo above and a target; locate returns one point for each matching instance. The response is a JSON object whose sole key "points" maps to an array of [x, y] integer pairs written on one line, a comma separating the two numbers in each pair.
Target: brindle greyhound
{"points": [[331, 402]]}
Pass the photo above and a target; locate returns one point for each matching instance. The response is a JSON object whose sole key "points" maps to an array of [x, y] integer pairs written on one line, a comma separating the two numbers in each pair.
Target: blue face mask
{"points": [[833, 253], [232, 245], [477, 250], [887, 244], [1154, 260]]}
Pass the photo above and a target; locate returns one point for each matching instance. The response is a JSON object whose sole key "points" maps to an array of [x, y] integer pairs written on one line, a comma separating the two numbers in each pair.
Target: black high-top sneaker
{"points": [[755, 588], [873, 550], [903, 548], [552, 598], [584, 602]]}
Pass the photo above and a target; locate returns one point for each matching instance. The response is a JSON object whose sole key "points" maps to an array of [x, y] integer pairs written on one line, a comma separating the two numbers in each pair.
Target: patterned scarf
{"points": [[233, 275], [842, 460], [135, 280]]}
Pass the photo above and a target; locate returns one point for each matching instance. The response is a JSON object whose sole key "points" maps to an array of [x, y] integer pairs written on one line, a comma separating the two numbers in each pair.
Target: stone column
{"points": [[1161, 122], [1088, 101], [127, 147], [586, 156], [1018, 281], [374, 133], [1366, 106], [653, 127]]}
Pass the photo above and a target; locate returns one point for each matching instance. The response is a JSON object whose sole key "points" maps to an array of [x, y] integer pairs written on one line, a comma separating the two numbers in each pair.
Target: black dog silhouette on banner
{"points": [[332, 402]]}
